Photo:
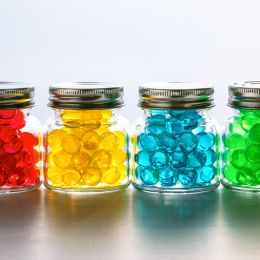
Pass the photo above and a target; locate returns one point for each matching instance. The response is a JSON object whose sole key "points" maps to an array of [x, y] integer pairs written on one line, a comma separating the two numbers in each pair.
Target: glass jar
{"points": [[20, 139], [176, 142], [86, 145], [241, 138]]}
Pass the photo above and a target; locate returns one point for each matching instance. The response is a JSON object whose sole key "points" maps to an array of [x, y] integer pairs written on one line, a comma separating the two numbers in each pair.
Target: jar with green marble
{"points": [[241, 138]]}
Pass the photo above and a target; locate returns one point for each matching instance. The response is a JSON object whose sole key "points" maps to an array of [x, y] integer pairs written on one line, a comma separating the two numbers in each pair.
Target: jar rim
{"points": [[15, 85], [91, 85], [176, 85]]}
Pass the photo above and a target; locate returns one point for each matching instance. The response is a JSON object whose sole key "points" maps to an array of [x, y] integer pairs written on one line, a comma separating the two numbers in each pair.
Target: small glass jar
{"points": [[20, 139], [176, 142], [86, 145], [241, 138]]}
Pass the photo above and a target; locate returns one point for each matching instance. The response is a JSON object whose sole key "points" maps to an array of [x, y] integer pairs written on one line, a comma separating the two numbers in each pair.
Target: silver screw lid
{"points": [[86, 95], [244, 95], [175, 95], [16, 95]]}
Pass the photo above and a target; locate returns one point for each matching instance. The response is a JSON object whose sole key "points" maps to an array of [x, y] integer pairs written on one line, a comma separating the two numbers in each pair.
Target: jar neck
{"points": [[14, 118], [242, 112], [177, 113], [11, 113], [26, 111], [74, 118]]}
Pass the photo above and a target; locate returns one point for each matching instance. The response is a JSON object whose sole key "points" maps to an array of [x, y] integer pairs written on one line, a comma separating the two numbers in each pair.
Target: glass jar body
{"points": [[86, 150], [241, 150], [20, 150], [175, 151]]}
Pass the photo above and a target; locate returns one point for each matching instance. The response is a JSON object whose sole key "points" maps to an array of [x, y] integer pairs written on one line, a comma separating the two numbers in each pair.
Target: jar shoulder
{"points": [[206, 120], [32, 124], [31, 119], [120, 123]]}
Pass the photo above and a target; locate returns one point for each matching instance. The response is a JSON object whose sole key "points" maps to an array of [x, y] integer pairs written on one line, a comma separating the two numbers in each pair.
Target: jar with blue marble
{"points": [[175, 141]]}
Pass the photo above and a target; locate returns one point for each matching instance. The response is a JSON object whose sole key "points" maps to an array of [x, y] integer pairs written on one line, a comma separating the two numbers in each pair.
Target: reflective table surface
{"points": [[130, 225]]}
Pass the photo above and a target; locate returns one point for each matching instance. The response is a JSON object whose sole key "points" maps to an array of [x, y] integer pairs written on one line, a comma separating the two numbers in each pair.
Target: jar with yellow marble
{"points": [[86, 144]]}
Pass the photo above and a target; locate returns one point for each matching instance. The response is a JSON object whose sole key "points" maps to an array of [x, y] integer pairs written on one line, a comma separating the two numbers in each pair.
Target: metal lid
{"points": [[175, 95], [16, 95], [244, 95], [86, 95]]}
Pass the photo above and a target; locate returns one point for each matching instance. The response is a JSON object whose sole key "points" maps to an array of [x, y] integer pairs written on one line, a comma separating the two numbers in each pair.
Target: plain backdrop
{"points": [[130, 42]]}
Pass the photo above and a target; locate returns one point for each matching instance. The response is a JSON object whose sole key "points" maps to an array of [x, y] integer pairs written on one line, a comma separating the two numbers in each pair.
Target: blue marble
{"points": [[192, 119], [176, 113], [167, 176], [159, 159], [167, 142], [177, 159], [196, 159], [199, 129], [205, 140], [188, 177], [174, 127], [155, 129], [158, 112], [190, 124], [188, 141], [189, 115], [206, 174], [157, 120], [148, 142], [149, 176], [143, 158], [211, 156]]}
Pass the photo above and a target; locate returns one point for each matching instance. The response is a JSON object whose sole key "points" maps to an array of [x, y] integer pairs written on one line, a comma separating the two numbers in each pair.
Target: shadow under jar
{"points": [[241, 138], [20, 139], [176, 143], [86, 140]]}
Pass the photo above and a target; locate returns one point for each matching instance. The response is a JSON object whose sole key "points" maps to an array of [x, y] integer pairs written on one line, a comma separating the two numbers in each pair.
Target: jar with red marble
{"points": [[20, 144]]}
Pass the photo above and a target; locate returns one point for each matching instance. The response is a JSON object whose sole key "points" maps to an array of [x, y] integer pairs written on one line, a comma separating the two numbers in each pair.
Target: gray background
{"points": [[131, 42]]}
